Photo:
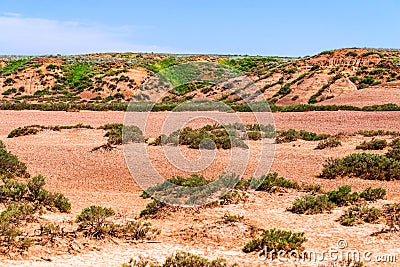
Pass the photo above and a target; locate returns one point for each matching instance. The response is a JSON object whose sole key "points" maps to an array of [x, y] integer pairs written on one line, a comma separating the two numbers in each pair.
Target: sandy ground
{"points": [[102, 178]]}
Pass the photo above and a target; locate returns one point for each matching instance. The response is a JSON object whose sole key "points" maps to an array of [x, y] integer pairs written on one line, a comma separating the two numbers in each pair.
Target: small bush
{"points": [[228, 218], [152, 208], [286, 136], [22, 131], [329, 143], [360, 214], [277, 240], [392, 216], [364, 166], [11, 166], [185, 259], [343, 196], [395, 143], [94, 221], [374, 144], [393, 154], [119, 134], [373, 194], [271, 183], [311, 204]]}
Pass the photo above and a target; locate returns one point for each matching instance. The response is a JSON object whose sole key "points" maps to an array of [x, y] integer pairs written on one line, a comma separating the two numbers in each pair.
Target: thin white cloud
{"points": [[35, 36]]}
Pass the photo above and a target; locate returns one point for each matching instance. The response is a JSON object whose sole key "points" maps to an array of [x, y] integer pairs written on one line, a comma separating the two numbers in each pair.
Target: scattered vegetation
{"points": [[331, 142], [119, 134], [286, 136], [94, 222], [360, 214], [181, 259], [277, 240], [365, 166], [374, 144], [315, 204], [35, 129]]}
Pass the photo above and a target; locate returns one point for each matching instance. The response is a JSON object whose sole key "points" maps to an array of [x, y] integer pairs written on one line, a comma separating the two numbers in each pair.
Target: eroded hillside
{"points": [[325, 78]]}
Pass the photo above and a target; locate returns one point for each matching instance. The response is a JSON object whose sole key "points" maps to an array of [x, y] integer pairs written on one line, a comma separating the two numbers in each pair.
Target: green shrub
{"points": [[395, 143], [233, 197], [372, 133], [286, 136], [152, 208], [119, 134], [228, 218], [343, 196], [11, 166], [271, 183], [311, 204], [22, 131], [393, 154], [374, 144], [256, 135], [373, 194], [351, 54], [94, 221], [360, 214], [185, 259], [277, 240], [364, 166], [392, 216], [327, 52], [329, 143]]}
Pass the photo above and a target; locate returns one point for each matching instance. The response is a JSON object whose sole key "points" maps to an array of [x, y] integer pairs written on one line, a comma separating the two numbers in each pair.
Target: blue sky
{"points": [[285, 28]]}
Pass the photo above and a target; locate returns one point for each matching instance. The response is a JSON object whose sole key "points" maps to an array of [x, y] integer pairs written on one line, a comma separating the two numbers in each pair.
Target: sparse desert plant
{"points": [[360, 214], [275, 239], [152, 208], [271, 183], [94, 221], [233, 197], [343, 196], [286, 136], [312, 204], [364, 166], [119, 134], [374, 144], [373, 194], [10, 165], [228, 218], [392, 216], [395, 143], [393, 154], [329, 143]]}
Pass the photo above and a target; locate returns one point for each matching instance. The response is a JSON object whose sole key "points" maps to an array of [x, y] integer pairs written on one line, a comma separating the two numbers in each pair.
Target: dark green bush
{"points": [[395, 143], [94, 221], [11, 166], [360, 214], [185, 259], [119, 134], [374, 144], [329, 143], [152, 208], [343, 196], [271, 183], [311, 204], [393, 154], [277, 240], [392, 216], [373, 194], [364, 166], [286, 136]]}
